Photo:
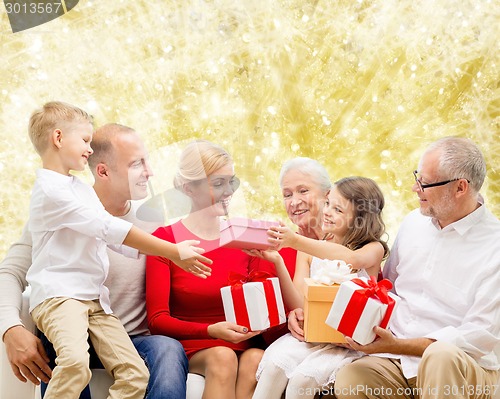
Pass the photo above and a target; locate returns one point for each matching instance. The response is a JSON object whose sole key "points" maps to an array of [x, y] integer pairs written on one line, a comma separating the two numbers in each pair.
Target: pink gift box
{"points": [[256, 305], [243, 233], [359, 306]]}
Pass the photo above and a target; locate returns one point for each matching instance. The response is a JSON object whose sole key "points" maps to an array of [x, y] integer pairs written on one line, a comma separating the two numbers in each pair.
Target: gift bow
{"points": [[332, 272], [254, 276], [359, 299], [236, 281], [372, 287]]}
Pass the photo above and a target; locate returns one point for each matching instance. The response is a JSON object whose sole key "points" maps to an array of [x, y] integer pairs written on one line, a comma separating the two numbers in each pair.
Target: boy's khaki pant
{"points": [[445, 371], [67, 323]]}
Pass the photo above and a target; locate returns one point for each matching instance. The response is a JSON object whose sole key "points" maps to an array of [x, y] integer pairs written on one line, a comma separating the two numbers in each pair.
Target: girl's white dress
{"points": [[320, 361]]}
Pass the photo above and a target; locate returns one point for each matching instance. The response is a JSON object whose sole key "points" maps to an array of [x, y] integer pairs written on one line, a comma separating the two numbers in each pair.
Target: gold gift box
{"points": [[318, 299]]}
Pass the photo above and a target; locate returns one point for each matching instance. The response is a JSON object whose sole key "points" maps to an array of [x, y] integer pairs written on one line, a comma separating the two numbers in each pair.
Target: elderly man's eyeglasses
{"points": [[422, 186]]}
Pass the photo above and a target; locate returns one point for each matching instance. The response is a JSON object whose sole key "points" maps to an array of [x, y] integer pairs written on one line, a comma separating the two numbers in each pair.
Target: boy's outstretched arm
{"points": [[184, 254]]}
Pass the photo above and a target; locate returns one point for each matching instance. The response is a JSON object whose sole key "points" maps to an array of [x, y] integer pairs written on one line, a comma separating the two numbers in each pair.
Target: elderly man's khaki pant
{"points": [[444, 372]]}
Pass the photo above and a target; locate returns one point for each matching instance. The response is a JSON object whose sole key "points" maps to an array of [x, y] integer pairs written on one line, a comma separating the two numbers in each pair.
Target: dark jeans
{"points": [[164, 357]]}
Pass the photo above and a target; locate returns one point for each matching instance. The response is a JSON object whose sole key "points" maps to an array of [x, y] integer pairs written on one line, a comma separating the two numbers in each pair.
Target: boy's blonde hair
{"points": [[47, 119]]}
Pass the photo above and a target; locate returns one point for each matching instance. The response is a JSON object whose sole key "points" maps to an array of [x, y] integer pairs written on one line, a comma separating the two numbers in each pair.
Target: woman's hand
{"points": [[270, 255], [230, 332], [296, 323]]}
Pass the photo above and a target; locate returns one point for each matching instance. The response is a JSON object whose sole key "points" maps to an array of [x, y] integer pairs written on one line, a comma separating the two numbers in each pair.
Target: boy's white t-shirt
{"points": [[70, 230]]}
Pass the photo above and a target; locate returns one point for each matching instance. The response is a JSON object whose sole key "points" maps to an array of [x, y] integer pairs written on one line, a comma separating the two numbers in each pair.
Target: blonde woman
{"points": [[192, 311]]}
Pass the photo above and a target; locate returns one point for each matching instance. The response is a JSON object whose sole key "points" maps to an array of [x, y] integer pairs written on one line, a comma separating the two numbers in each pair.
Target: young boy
{"points": [[70, 230]]}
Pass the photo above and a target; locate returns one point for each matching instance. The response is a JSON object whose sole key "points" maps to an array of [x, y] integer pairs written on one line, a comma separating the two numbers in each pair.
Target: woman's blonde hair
{"points": [[368, 202], [198, 160]]}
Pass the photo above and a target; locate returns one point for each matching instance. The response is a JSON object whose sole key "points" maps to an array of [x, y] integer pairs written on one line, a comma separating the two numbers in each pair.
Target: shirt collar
{"points": [[53, 176], [463, 225]]}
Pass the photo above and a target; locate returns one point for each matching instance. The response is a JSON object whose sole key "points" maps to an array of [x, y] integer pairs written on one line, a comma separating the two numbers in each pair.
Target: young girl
{"points": [[353, 228]]}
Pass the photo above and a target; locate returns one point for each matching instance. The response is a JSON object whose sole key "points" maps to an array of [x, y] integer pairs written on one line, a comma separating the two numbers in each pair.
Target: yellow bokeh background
{"points": [[361, 86]]}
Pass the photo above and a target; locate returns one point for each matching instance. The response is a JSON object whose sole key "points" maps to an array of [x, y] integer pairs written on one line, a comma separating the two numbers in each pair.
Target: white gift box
{"points": [[356, 310], [256, 305]]}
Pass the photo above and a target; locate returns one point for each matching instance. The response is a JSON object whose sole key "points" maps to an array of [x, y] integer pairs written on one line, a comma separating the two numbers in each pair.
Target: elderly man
{"points": [[444, 337]]}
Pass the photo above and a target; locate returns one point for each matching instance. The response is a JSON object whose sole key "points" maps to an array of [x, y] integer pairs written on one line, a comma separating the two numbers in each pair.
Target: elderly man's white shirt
{"points": [[70, 231], [448, 281]]}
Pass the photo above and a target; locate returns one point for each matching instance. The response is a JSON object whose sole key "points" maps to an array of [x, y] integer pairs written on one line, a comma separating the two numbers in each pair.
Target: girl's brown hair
{"points": [[368, 202]]}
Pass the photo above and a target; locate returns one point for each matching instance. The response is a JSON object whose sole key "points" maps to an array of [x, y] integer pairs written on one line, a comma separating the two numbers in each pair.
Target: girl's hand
{"points": [[296, 323], [230, 332], [282, 236]]}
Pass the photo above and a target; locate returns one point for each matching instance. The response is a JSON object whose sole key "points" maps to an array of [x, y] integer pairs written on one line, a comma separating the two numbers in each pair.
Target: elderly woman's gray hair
{"points": [[309, 167]]}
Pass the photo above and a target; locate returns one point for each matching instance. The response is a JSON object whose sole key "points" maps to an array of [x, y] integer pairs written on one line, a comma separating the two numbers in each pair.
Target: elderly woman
{"points": [[304, 185]]}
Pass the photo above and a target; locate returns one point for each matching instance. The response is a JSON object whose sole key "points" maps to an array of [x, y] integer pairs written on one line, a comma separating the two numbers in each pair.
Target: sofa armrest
{"points": [[10, 386]]}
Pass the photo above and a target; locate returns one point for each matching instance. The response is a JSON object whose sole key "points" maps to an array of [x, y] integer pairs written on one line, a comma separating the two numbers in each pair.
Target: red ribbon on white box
{"points": [[253, 301], [361, 305]]}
